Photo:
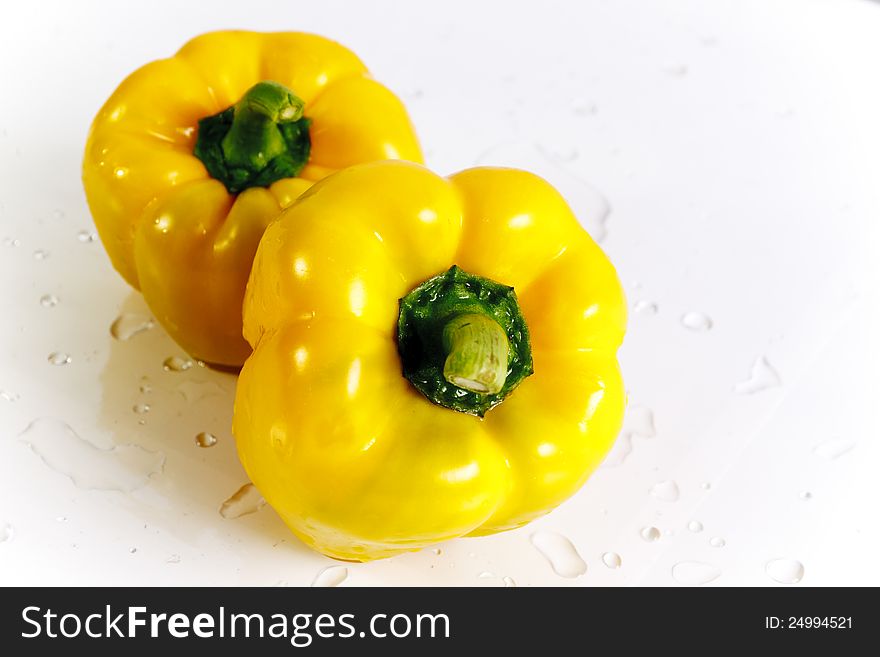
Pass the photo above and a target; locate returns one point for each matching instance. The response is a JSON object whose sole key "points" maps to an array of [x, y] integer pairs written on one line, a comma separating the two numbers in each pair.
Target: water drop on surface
{"points": [[86, 236], [58, 358], [61, 519], [9, 241], [762, 377], [694, 573], [40, 254], [508, 582], [638, 421], [646, 307], [245, 500], [650, 534], [205, 439], [665, 491], [582, 107], [128, 325], [174, 558], [695, 526], [193, 391], [176, 364], [330, 576], [486, 575], [132, 550], [717, 542], [612, 560], [832, 449], [141, 408], [6, 532], [124, 467], [9, 396], [676, 70], [805, 495], [560, 553], [437, 551], [785, 571], [706, 485], [48, 300], [696, 321], [145, 387]]}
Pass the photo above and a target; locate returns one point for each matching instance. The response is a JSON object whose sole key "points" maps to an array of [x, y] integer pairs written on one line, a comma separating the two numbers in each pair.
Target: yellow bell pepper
{"points": [[433, 358], [193, 156]]}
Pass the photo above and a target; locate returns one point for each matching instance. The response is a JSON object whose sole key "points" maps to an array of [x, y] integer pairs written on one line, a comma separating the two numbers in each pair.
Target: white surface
{"points": [[737, 146]]}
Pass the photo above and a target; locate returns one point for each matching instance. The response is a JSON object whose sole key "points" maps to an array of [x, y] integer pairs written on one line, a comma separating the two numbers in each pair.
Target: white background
{"points": [[737, 145]]}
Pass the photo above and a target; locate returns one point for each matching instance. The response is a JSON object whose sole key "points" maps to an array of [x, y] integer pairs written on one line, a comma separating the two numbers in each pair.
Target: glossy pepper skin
{"points": [[354, 459], [176, 233]]}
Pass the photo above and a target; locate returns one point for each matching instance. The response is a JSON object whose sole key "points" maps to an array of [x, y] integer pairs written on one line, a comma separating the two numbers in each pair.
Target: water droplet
{"points": [[805, 495], [193, 391], [40, 254], [141, 408], [706, 485], [583, 107], [125, 467], [785, 571], [486, 575], [331, 576], [6, 532], [176, 364], [48, 300], [174, 558], [205, 439], [665, 491], [762, 376], [612, 560], [618, 453], [129, 325], [676, 70], [86, 236], [643, 307], [638, 421], [9, 241], [508, 582], [832, 449], [61, 519], [437, 551], [650, 534], [132, 550], [695, 526], [59, 358], [565, 153], [145, 386], [9, 396], [696, 321], [717, 542], [559, 551], [245, 500], [588, 204], [694, 573]]}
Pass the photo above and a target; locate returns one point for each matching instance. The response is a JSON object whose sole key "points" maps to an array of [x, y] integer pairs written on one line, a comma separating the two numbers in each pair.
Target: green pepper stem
{"points": [[478, 352], [254, 139]]}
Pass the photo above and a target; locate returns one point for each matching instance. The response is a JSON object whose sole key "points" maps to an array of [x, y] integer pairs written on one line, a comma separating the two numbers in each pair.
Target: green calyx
{"points": [[463, 341], [264, 137]]}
